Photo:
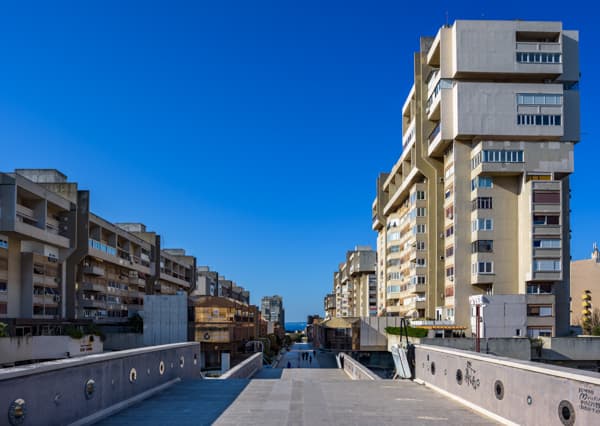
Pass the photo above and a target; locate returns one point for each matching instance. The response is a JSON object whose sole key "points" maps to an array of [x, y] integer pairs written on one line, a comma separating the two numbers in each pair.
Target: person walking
{"points": [[289, 365], [309, 360]]}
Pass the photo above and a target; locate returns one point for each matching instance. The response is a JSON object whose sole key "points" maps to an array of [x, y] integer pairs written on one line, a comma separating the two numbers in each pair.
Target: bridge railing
{"points": [[355, 369], [84, 390], [245, 369], [511, 391]]}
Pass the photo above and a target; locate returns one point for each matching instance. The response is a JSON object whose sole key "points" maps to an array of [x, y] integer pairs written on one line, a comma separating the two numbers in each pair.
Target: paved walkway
{"points": [[298, 396]]}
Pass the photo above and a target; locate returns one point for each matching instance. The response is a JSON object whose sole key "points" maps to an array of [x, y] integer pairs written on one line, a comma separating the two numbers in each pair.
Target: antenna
{"points": [[446, 18]]}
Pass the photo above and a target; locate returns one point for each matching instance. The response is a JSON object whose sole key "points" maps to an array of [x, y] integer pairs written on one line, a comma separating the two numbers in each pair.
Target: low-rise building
{"points": [[585, 277]]}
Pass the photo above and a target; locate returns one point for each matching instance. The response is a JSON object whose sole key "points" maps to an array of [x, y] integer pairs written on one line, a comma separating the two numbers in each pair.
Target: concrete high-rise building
{"points": [[478, 202], [355, 284], [271, 308]]}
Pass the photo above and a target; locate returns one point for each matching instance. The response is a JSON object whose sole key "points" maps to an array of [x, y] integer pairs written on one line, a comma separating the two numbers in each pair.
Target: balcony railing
{"points": [[434, 134], [102, 247]]}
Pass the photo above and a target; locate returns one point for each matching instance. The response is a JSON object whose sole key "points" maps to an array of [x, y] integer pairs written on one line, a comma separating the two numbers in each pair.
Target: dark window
{"points": [[482, 203], [3, 309], [482, 246], [546, 197]]}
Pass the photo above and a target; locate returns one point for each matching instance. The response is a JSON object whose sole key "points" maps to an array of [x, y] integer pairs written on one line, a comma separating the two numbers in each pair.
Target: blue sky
{"points": [[249, 133]]}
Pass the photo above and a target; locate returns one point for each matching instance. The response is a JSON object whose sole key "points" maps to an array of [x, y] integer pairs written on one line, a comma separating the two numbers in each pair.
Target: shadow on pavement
{"points": [[192, 402]]}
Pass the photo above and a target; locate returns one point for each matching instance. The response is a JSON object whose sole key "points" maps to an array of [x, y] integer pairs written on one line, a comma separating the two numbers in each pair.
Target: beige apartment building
{"points": [[355, 285], [478, 202], [59, 261]]}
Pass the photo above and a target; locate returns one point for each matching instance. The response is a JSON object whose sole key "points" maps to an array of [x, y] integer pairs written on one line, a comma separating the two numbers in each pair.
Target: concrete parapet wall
{"points": [[246, 369], [520, 392], [66, 391], [571, 348], [511, 347], [123, 341], [355, 369]]}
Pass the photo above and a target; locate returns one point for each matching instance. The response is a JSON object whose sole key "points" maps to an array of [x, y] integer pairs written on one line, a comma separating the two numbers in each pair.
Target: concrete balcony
{"points": [[46, 299], [92, 303], [523, 46], [409, 136], [545, 208], [482, 279], [418, 288], [545, 276], [547, 230], [547, 253], [94, 270], [93, 287]]}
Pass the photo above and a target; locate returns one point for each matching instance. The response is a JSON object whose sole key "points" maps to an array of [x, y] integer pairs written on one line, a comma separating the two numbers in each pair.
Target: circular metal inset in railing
{"points": [[161, 368], [89, 388], [566, 413], [132, 375], [181, 361], [16, 412], [172, 365], [459, 376], [147, 371], [433, 368], [195, 359], [529, 400], [499, 389]]}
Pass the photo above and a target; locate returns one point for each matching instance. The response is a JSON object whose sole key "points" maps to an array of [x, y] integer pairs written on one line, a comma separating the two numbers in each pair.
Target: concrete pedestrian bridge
{"points": [[162, 385], [306, 394]]}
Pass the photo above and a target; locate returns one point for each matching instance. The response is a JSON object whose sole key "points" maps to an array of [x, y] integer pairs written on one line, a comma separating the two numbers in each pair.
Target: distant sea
{"points": [[295, 326]]}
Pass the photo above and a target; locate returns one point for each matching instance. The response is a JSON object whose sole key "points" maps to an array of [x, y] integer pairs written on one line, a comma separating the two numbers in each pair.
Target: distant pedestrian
{"points": [[310, 359], [289, 365]]}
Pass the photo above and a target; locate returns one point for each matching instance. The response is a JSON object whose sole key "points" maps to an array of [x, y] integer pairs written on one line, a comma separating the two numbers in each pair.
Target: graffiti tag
{"points": [[471, 376]]}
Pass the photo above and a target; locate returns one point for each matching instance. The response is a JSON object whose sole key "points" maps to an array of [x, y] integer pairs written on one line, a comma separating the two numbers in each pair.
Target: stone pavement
{"points": [[298, 396]]}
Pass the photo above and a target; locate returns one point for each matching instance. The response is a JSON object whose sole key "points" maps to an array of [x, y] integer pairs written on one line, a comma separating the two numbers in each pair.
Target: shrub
{"points": [[3, 329], [412, 331]]}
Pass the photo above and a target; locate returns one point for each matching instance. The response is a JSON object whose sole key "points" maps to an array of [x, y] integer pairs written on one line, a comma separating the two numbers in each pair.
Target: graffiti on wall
{"points": [[471, 378], [589, 401]]}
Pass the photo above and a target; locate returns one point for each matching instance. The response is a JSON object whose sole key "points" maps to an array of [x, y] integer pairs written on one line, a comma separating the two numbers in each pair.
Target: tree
{"points": [[591, 323]]}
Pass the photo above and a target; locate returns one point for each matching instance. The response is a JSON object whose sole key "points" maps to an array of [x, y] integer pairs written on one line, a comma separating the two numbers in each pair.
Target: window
{"points": [[3, 243], [420, 261], [393, 289], [482, 268], [421, 229], [542, 288], [482, 224], [393, 276], [545, 220], [420, 195], [449, 172], [450, 271], [448, 193], [420, 245], [546, 243], [502, 156], [3, 287], [538, 58], [421, 279], [393, 262], [539, 332], [421, 211], [481, 182], [449, 231], [3, 308], [450, 212], [482, 246], [546, 197], [546, 265], [394, 249], [539, 99], [539, 119], [449, 251], [393, 236], [482, 203], [539, 310]]}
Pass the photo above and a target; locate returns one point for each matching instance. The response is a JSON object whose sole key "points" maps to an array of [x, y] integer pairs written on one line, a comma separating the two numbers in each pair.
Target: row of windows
{"points": [[546, 265], [394, 276], [417, 195], [546, 243], [497, 156], [482, 246], [546, 197], [539, 119], [417, 279], [482, 268], [419, 229], [393, 262], [539, 58], [481, 203], [539, 310], [538, 99], [482, 224], [546, 220], [481, 182]]}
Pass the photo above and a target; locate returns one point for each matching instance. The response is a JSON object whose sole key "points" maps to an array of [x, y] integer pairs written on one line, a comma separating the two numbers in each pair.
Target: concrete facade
{"points": [[271, 309], [478, 202], [355, 285]]}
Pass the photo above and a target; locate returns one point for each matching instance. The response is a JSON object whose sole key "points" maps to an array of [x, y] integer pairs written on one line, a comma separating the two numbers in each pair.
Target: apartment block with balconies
{"points": [[488, 133], [36, 238]]}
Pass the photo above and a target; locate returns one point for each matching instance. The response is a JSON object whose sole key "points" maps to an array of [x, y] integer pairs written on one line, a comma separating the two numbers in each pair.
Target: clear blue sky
{"points": [[249, 133]]}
